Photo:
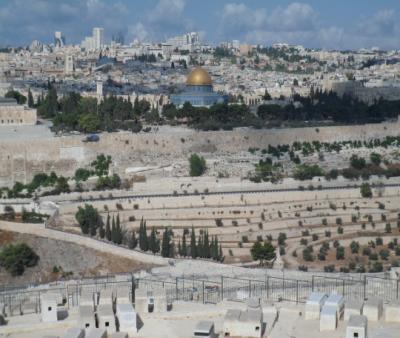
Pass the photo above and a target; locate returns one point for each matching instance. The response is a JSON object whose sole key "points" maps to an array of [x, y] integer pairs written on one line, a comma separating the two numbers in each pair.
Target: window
{"points": [[107, 324], [257, 328], [355, 334], [49, 308], [87, 325]]}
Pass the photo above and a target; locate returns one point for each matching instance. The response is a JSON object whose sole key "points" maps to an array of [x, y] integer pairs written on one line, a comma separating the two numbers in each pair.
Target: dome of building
{"points": [[199, 77]]}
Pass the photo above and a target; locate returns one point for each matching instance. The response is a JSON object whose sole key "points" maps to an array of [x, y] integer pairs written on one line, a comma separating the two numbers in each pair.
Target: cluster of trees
{"points": [[14, 94], [113, 231], [15, 258], [203, 247], [59, 184], [267, 171], [32, 216], [74, 112], [89, 219], [329, 106], [99, 167], [146, 58], [216, 117]]}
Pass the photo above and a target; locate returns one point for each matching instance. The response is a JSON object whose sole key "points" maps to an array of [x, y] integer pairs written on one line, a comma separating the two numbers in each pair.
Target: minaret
{"points": [[99, 89]]}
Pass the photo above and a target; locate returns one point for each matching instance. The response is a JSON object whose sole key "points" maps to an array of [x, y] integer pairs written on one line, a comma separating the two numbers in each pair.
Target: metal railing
{"points": [[23, 301]]}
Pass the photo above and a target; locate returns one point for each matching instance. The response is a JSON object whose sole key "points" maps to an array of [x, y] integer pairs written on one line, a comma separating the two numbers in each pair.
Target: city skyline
{"points": [[341, 25]]}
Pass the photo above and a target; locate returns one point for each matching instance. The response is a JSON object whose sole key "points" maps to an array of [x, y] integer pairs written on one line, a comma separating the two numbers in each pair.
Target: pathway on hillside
{"points": [[107, 248]]}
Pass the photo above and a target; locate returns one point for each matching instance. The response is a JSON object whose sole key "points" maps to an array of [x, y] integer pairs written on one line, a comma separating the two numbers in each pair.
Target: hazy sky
{"points": [[339, 24]]}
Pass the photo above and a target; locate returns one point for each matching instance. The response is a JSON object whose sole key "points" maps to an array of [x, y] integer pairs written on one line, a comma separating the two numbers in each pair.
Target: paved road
{"points": [[108, 248]]}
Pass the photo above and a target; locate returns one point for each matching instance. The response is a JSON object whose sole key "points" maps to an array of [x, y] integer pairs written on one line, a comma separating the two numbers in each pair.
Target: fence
{"points": [[23, 301]]}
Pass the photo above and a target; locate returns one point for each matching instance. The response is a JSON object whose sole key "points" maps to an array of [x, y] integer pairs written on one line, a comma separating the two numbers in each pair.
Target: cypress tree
{"points": [[184, 247], [108, 230], [118, 231], [113, 231], [153, 241], [180, 249], [143, 240], [102, 232], [31, 103], [171, 252], [165, 246], [193, 248], [206, 245], [133, 241], [220, 255], [200, 248]]}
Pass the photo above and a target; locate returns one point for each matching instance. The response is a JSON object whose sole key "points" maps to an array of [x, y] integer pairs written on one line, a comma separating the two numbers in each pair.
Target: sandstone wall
{"points": [[20, 160]]}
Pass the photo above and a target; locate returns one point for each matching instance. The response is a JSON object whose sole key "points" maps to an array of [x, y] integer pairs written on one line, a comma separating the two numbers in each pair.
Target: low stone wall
{"points": [[21, 160]]}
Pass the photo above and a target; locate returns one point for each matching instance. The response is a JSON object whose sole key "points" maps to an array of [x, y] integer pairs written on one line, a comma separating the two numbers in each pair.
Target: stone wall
{"points": [[20, 160]]}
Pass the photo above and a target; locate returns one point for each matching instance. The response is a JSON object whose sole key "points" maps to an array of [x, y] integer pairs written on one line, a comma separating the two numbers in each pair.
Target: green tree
{"points": [[166, 244], [154, 245], [262, 252], [197, 165], [375, 158], [101, 165], [108, 228], [113, 230], [365, 190], [143, 239], [49, 106], [184, 246], [89, 123], [31, 102], [89, 219], [133, 241], [15, 258], [14, 94], [193, 247]]}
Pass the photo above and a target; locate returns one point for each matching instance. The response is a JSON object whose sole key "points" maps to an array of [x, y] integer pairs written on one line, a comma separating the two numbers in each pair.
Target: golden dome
{"points": [[199, 77]]}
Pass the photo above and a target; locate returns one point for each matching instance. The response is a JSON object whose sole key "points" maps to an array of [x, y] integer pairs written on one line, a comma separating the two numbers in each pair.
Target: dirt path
{"points": [[107, 248]]}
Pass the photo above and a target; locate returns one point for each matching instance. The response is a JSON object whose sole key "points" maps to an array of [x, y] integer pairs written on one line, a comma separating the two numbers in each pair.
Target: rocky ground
{"points": [[72, 261]]}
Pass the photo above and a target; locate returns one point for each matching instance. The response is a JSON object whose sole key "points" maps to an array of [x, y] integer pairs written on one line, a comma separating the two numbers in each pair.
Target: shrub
{"points": [[89, 219], [315, 237], [365, 190], [197, 165], [218, 222], [327, 233], [340, 253], [329, 268], [15, 258]]}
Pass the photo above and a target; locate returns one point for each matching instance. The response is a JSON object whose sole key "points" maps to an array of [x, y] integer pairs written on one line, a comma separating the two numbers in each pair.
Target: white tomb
{"points": [[357, 327], [248, 323], [105, 297], [373, 309], [337, 301], [87, 298], [314, 304], [74, 332], [141, 301], [353, 307], [106, 318], [118, 335], [392, 312], [205, 329], [48, 303], [328, 318], [86, 318], [160, 300], [96, 333], [127, 318]]}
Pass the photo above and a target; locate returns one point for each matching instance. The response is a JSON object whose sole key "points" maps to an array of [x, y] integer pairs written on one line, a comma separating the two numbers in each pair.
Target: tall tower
{"points": [[59, 39], [69, 64], [99, 89], [98, 37]]}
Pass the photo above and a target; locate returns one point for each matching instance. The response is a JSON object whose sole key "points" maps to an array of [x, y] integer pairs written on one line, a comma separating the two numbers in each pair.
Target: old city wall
{"points": [[21, 160]]}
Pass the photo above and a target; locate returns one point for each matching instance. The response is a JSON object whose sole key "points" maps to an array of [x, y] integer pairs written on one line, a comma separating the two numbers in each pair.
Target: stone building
{"points": [[12, 113]]}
